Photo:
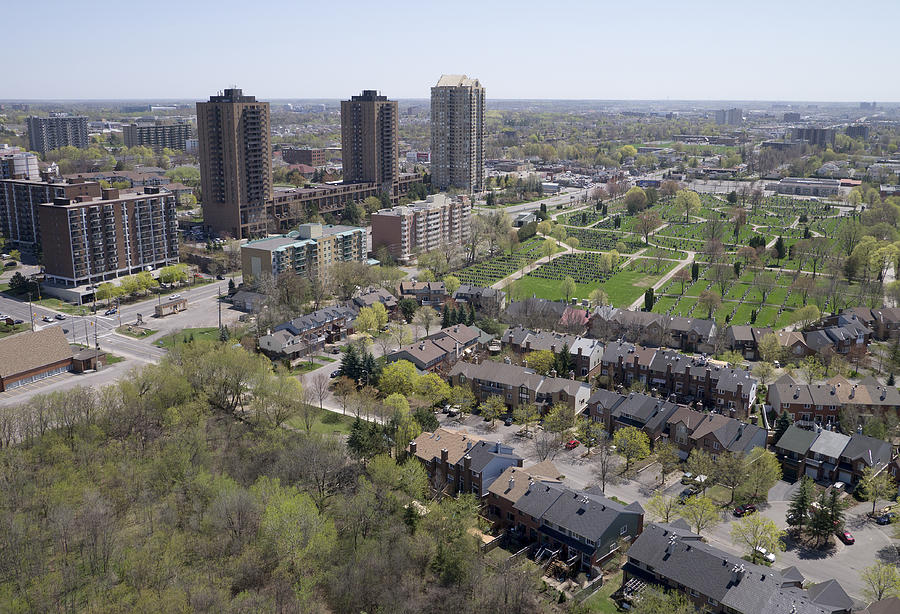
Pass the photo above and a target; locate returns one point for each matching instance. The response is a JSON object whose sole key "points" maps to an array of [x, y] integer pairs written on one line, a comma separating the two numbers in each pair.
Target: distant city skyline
{"points": [[700, 50]]}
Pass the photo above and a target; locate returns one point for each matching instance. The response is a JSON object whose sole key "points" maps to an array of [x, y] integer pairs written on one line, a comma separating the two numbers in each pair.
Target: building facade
{"points": [[303, 155], [93, 240], [18, 164], [19, 200], [457, 134], [422, 226], [49, 133], [235, 163], [729, 117], [308, 251], [157, 136], [369, 141]]}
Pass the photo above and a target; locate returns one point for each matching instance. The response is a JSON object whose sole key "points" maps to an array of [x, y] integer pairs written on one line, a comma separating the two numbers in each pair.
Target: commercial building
{"points": [[300, 155], [428, 224], [157, 136], [235, 164], [59, 130], [457, 134], [803, 186], [369, 141], [33, 355], [308, 251], [18, 164], [729, 117], [19, 200], [89, 240]]}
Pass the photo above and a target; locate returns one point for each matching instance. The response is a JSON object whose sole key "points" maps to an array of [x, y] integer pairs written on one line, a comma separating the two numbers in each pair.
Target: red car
{"points": [[846, 537], [572, 444]]}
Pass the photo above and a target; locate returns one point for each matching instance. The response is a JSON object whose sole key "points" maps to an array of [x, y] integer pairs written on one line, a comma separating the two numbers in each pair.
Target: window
{"points": [[623, 530], [694, 593], [711, 601]]}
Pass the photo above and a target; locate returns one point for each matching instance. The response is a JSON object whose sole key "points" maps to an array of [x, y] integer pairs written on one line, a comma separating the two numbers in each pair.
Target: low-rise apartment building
{"points": [[827, 456], [745, 340], [716, 386], [519, 386], [486, 300], [422, 226], [425, 293], [86, 240], [580, 527], [306, 334], [458, 463], [303, 155], [440, 350], [307, 252], [819, 404], [585, 353], [671, 557]]}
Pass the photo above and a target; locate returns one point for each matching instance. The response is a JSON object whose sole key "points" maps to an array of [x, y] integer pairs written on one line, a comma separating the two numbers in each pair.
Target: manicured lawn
{"points": [[324, 359], [210, 333], [600, 602], [112, 359], [719, 494], [325, 422], [58, 305]]}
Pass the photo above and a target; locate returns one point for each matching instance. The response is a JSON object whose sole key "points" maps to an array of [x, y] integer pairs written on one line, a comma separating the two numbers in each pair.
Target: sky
{"points": [[609, 50]]}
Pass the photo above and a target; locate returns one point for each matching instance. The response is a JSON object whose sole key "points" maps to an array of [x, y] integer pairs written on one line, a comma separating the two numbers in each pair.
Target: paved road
{"points": [[202, 311], [567, 196]]}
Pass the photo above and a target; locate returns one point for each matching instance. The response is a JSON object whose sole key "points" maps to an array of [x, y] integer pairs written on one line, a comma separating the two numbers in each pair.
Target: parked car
{"points": [[687, 478], [335, 350], [508, 421], [744, 510], [765, 554], [220, 277], [688, 492], [572, 444], [19, 322], [60, 316], [886, 518], [335, 374], [110, 311], [846, 537]]}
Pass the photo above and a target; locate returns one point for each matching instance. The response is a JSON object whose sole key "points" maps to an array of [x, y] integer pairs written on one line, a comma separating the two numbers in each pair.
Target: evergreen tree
{"points": [[371, 366], [648, 299], [695, 271], [471, 320], [445, 316], [231, 286], [820, 523], [782, 424], [891, 381], [563, 362], [780, 251], [800, 502], [460, 315], [350, 363]]}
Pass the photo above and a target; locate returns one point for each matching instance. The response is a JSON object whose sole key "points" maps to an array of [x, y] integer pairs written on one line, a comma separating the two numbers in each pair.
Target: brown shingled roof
{"points": [[33, 350]]}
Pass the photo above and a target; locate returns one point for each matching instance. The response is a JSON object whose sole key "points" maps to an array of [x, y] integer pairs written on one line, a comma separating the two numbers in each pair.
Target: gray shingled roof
{"points": [[796, 439]]}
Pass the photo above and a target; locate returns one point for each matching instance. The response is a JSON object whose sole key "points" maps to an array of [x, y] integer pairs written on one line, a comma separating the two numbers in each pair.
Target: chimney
{"points": [[571, 374], [412, 447], [737, 573], [528, 345], [444, 455], [512, 483], [579, 350], [853, 391], [467, 462], [552, 372], [497, 451], [110, 193]]}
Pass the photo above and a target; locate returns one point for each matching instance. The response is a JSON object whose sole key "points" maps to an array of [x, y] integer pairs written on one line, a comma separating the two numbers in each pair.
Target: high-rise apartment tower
{"points": [[235, 163], [369, 141], [457, 134]]}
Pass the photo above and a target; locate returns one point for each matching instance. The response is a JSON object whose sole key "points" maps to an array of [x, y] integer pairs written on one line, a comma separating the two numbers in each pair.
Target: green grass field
{"points": [[210, 333], [600, 602], [325, 422]]}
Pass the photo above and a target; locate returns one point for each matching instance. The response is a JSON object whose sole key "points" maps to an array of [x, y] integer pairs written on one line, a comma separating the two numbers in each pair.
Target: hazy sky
{"points": [[638, 49]]}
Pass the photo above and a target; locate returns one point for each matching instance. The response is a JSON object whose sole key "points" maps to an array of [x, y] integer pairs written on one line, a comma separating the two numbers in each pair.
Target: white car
{"points": [[174, 297], [765, 554]]}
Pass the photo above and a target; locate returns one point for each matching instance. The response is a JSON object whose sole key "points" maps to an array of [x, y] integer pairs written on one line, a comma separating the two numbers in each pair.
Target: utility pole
{"points": [[220, 307], [31, 311]]}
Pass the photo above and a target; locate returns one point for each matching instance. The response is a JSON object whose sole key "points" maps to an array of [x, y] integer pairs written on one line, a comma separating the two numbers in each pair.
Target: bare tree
{"points": [[604, 461], [426, 317], [319, 384], [546, 444]]}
